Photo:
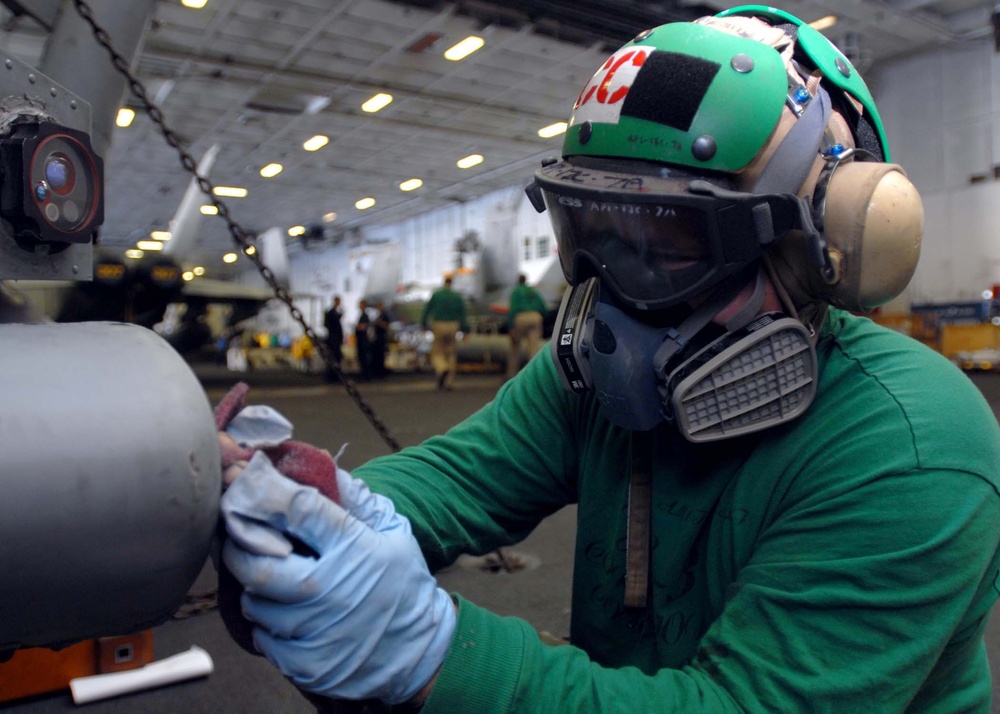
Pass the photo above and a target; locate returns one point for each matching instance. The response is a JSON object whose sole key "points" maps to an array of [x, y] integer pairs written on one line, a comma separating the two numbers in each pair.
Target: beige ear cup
{"points": [[873, 224]]}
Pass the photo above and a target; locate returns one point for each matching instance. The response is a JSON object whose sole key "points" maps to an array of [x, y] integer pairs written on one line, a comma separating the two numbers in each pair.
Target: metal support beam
{"points": [[42, 11], [74, 58]]}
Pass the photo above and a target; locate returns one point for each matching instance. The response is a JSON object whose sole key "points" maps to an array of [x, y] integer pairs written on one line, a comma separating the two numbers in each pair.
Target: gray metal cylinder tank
{"points": [[109, 481]]}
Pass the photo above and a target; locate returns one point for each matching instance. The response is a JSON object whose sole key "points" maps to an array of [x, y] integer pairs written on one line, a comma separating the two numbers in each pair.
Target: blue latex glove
{"points": [[366, 618]]}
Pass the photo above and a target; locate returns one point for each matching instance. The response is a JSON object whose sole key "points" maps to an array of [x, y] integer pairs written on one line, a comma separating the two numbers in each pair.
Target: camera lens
{"points": [[57, 173], [62, 166]]}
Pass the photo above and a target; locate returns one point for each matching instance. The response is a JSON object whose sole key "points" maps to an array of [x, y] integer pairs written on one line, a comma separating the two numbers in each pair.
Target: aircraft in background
{"points": [[485, 277]]}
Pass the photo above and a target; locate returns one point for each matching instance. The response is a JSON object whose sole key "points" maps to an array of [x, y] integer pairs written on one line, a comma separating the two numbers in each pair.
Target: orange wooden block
{"points": [[39, 671]]}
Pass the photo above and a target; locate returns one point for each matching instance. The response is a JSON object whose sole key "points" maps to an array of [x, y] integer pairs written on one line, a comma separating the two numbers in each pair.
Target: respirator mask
{"points": [[653, 259]]}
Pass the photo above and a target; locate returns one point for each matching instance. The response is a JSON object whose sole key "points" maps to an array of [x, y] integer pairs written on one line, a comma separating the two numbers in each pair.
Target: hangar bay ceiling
{"points": [[260, 78]]}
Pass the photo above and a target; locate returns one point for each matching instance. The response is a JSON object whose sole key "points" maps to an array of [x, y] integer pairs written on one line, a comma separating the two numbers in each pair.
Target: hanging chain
{"points": [[239, 235]]}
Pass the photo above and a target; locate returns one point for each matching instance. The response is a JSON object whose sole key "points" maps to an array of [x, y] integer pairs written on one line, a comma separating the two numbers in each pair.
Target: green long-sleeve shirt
{"points": [[445, 305], [525, 299], [845, 562]]}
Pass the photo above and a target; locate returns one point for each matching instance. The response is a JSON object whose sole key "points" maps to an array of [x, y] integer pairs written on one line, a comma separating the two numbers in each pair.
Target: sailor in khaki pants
{"points": [[525, 340], [445, 315], [444, 357], [524, 325]]}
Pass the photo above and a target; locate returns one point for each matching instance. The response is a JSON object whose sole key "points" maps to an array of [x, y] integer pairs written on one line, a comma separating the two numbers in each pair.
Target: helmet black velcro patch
{"points": [[669, 89]]}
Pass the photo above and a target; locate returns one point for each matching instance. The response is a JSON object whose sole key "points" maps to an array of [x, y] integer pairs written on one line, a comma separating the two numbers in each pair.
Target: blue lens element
{"points": [[57, 173], [41, 191]]}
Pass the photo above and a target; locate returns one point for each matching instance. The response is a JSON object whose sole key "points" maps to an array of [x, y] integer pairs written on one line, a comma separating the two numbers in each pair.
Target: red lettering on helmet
{"points": [[600, 83]]}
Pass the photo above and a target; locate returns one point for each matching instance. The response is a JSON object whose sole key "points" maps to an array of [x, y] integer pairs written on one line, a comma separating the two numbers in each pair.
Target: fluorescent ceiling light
{"points": [[187, 275], [365, 203], [134, 253], [824, 23], [469, 161], [547, 132], [149, 245], [411, 184], [296, 230], [271, 170], [315, 143], [379, 101], [209, 210], [160, 235], [229, 258], [330, 217], [196, 4], [230, 191], [198, 270], [125, 116], [464, 48]]}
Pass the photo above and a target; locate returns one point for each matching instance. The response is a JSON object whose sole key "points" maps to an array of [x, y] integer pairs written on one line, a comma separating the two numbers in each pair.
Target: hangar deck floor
{"points": [[324, 415]]}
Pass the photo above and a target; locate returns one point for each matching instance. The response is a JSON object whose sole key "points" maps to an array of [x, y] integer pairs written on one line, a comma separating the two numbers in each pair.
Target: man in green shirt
{"points": [[524, 324], [782, 507], [444, 315]]}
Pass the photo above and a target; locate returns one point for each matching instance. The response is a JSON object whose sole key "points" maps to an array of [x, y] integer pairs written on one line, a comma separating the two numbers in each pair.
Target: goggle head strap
{"points": [[774, 215]]}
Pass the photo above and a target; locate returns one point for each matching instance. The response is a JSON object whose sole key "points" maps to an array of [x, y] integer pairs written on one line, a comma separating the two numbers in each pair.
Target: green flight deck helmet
{"points": [[700, 148]]}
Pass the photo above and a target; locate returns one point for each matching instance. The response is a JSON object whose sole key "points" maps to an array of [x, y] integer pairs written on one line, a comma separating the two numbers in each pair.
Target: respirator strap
{"points": [[678, 338], [641, 461], [640, 518], [751, 308]]}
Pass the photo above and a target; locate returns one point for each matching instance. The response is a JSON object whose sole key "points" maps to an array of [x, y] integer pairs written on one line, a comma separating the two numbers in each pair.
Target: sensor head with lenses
{"points": [[59, 199]]}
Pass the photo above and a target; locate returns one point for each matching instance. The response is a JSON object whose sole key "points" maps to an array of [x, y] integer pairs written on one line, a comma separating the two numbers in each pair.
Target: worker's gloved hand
{"points": [[245, 431], [364, 618]]}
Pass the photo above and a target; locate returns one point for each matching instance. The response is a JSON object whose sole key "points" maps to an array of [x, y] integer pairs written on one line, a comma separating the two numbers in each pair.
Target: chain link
{"points": [[239, 235]]}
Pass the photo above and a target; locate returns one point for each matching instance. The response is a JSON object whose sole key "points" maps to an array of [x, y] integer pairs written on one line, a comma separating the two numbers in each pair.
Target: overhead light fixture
{"points": [[196, 4], [296, 231], [315, 143], [365, 203], [547, 132], [377, 102], [250, 250], [209, 210], [149, 245], [469, 161], [229, 258], [230, 191], [134, 253], [411, 184], [160, 235], [464, 48], [824, 23], [188, 275], [271, 170], [330, 217], [198, 270], [125, 117]]}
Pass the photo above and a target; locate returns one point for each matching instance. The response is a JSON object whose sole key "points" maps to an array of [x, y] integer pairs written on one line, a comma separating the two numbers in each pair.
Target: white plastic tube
{"points": [[196, 662]]}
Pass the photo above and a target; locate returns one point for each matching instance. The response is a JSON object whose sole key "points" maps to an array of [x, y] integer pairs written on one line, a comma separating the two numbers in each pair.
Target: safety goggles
{"points": [[656, 236]]}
